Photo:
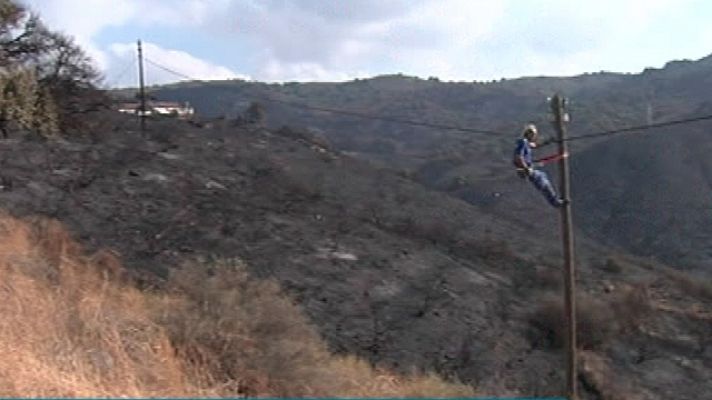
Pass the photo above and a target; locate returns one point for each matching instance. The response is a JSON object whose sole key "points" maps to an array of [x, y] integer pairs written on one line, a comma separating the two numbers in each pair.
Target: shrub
{"points": [[593, 326], [613, 264], [598, 321]]}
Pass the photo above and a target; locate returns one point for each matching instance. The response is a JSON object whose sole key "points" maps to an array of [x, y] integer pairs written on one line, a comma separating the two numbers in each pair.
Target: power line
{"points": [[639, 127], [174, 72], [385, 118], [125, 68], [350, 112], [365, 115]]}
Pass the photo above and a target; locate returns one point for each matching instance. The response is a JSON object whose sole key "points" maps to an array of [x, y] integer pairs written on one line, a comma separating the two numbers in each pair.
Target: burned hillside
{"points": [[406, 277]]}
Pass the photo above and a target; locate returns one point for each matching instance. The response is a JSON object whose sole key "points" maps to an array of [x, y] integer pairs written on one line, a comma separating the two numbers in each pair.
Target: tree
{"points": [[22, 35], [46, 114], [68, 73], [46, 80], [11, 15], [18, 91]]}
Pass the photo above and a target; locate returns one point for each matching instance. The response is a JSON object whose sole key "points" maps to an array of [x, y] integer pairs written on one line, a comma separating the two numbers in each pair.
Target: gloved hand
{"points": [[524, 172]]}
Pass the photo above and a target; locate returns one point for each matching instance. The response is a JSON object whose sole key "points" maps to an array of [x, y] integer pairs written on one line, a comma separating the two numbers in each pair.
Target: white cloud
{"points": [[541, 37], [436, 38], [452, 39], [304, 41], [84, 20], [275, 71], [165, 65]]}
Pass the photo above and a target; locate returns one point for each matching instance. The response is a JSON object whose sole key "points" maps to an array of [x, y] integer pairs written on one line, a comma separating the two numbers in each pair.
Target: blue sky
{"points": [[320, 40]]}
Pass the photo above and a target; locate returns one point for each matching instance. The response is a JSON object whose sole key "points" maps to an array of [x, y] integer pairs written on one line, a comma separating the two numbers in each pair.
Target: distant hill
{"points": [[476, 167]]}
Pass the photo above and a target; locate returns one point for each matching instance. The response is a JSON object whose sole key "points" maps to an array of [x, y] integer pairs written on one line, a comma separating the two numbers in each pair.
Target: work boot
{"points": [[562, 202]]}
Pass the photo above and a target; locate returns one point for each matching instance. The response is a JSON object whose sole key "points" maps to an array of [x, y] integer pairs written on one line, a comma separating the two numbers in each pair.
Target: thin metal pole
{"points": [[142, 92], [560, 119]]}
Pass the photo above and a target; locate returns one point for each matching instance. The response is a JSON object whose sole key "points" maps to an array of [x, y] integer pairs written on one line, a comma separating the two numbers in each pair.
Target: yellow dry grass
{"points": [[73, 327]]}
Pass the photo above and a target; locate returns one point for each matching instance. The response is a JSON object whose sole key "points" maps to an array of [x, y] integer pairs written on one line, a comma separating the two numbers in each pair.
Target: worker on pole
{"points": [[525, 165]]}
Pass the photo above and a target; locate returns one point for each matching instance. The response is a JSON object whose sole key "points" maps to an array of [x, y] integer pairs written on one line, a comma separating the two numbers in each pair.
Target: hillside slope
{"points": [[74, 327], [476, 166], [654, 196], [405, 277]]}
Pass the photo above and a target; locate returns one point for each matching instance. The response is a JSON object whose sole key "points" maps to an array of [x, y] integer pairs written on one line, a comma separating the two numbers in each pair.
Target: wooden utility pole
{"points": [[142, 92], [560, 119]]}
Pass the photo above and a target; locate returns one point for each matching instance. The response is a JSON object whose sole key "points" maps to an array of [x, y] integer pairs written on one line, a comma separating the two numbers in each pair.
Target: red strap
{"points": [[551, 158]]}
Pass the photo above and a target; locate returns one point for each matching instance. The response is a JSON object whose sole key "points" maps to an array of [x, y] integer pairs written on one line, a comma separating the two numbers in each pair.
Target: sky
{"points": [[321, 40]]}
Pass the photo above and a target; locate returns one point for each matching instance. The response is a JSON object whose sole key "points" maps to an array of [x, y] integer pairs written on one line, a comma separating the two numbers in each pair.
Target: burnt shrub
{"points": [[613, 264], [598, 320]]}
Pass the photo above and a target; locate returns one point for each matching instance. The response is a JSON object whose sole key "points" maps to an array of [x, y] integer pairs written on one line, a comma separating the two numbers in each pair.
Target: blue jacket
{"points": [[523, 150]]}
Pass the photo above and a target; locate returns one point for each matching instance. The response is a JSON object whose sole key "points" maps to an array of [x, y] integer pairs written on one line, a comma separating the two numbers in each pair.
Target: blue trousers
{"points": [[540, 180]]}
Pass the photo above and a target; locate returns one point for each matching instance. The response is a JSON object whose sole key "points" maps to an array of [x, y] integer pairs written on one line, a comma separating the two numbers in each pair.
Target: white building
{"points": [[159, 108]]}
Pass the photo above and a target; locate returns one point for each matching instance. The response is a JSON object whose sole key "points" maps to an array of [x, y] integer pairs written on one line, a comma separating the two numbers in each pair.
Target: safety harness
{"points": [[549, 159], [540, 162]]}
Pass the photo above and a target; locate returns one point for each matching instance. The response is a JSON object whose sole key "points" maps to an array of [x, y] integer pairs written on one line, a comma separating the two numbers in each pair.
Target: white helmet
{"points": [[530, 132]]}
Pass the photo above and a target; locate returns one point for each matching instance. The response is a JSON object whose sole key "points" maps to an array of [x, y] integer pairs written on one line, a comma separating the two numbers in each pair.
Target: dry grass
{"points": [[72, 327]]}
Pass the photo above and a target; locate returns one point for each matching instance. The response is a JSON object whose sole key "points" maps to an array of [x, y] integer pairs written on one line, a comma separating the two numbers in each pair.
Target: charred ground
{"points": [[388, 269], [621, 185]]}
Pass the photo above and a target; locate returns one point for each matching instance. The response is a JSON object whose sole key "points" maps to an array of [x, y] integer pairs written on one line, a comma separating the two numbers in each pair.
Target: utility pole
{"points": [[558, 105], [142, 92]]}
